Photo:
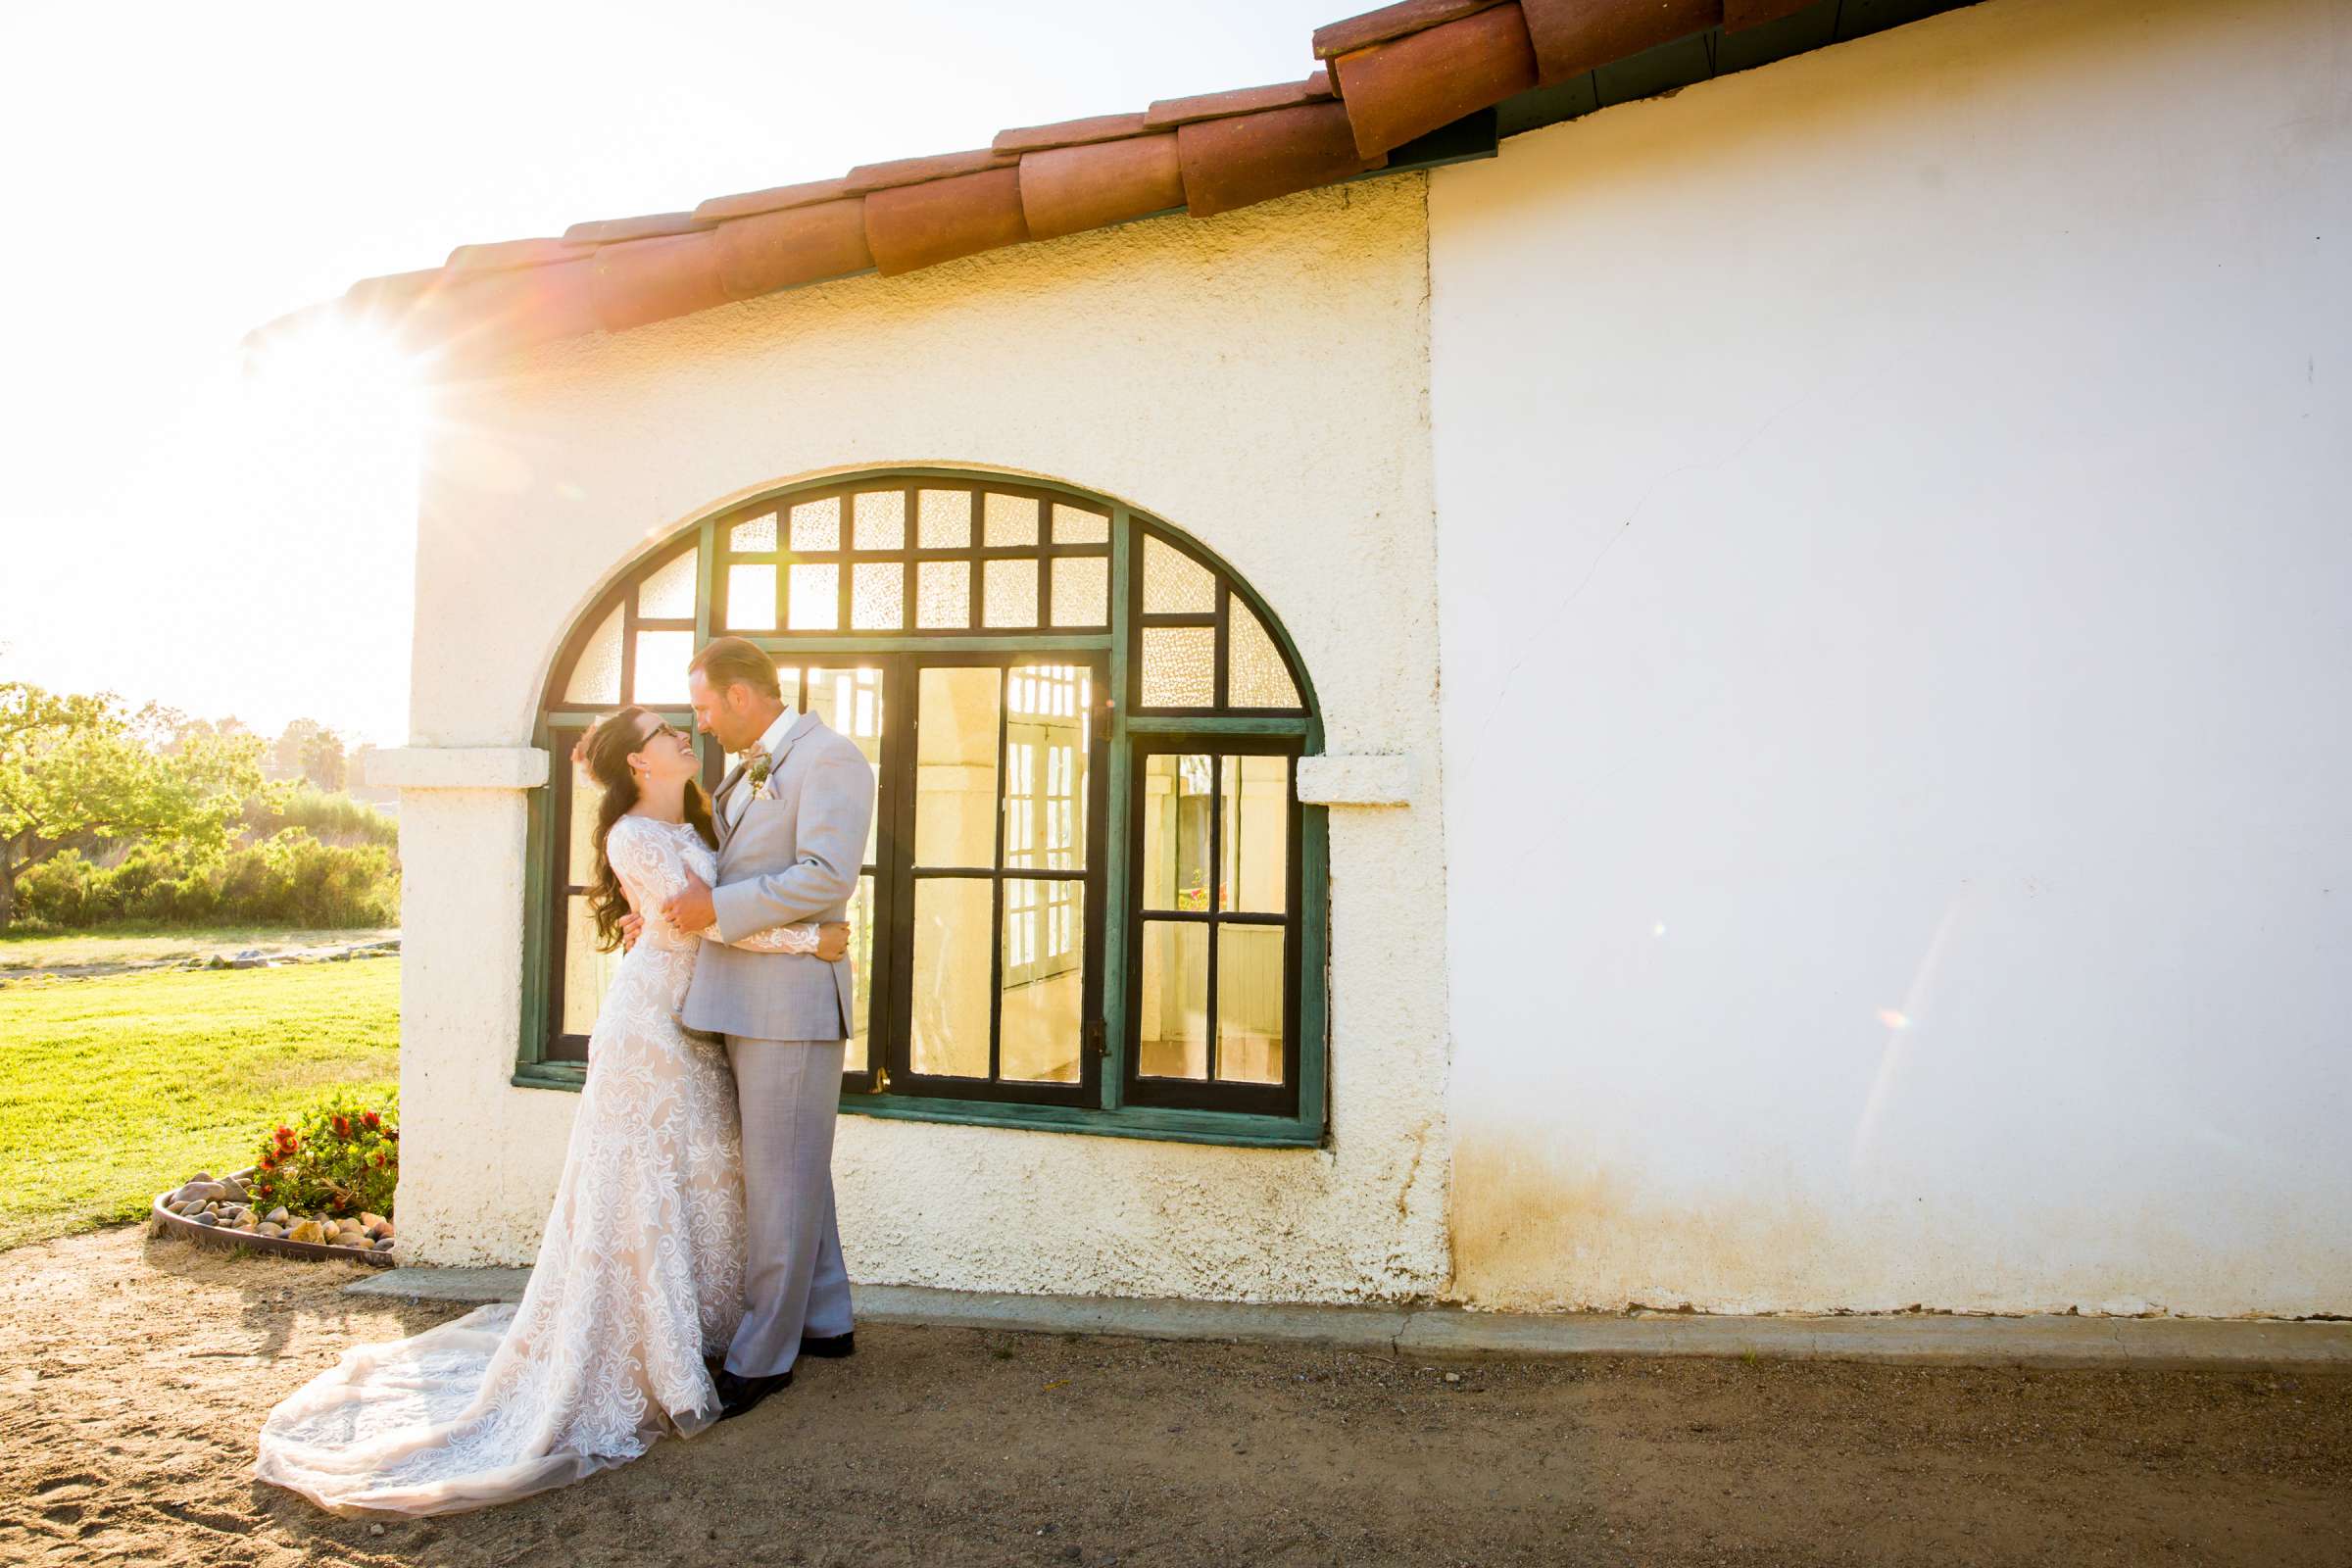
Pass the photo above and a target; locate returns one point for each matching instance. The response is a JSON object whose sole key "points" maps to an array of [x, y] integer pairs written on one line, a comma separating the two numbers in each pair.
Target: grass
{"points": [[143, 943], [113, 1089]]}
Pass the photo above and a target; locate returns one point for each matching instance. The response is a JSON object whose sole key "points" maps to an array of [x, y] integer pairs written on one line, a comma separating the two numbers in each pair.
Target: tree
{"points": [[323, 760], [286, 757], [77, 769]]}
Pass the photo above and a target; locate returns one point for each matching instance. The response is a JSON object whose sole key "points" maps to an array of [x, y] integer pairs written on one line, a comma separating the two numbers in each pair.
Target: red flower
{"points": [[371, 1120], [342, 1127], [377, 1161], [392, 1133]]}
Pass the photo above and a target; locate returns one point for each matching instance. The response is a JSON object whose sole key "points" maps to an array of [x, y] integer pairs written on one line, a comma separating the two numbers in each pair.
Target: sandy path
{"points": [[133, 1373]]}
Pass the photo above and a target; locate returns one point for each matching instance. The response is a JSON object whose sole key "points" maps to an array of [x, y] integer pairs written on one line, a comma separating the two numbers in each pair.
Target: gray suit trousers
{"points": [[795, 1281]]}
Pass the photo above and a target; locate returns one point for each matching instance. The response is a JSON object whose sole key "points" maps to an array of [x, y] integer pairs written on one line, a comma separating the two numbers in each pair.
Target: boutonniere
{"points": [[756, 773]]}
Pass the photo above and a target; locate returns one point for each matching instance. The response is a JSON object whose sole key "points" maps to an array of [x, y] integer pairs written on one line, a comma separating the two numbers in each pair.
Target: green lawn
{"points": [[113, 1089], [132, 942]]}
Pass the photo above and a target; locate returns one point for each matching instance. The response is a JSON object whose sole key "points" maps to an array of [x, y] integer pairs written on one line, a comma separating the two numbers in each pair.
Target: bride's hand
{"points": [[833, 941], [632, 926]]}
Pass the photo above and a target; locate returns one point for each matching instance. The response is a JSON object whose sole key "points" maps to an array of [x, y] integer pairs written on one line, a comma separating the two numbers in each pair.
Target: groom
{"points": [[792, 824]]}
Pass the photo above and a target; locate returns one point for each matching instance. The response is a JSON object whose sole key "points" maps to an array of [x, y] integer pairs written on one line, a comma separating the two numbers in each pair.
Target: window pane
{"points": [[942, 594], [1175, 805], [1175, 584], [1172, 1000], [586, 971], [944, 520], [1012, 597], [669, 594], [850, 701], [816, 598], [1075, 525], [878, 520], [955, 768], [1082, 591], [816, 524], [877, 595], [1010, 520], [661, 661], [757, 537], [596, 678], [1180, 667], [1045, 936], [948, 1015], [859, 1057], [1256, 804], [788, 684], [1256, 675], [751, 599], [1045, 736], [586, 793], [1250, 1004]]}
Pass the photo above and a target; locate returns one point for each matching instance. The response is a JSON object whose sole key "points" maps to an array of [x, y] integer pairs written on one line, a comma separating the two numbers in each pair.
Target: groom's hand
{"points": [[691, 910]]}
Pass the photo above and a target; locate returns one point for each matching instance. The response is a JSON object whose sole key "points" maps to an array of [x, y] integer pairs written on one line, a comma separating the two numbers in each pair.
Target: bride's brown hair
{"points": [[605, 750]]}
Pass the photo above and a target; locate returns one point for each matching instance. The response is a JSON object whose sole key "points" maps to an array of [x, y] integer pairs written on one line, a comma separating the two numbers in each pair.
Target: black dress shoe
{"points": [[831, 1346], [738, 1394]]}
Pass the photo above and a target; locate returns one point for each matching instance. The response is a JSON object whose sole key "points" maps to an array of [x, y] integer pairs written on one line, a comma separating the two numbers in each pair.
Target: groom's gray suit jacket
{"points": [[793, 854]]}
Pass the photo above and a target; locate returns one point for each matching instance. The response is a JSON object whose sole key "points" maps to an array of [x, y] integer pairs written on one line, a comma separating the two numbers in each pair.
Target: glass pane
{"points": [[1175, 584], [661, 661], [586, 793], [596, 678], [1045, 735], [1075, 525], [816, 598], [1180, 667], [859, 1057], [850, 701], [1012, 597], [1256, 675], [586, 972], [1045, 982], [669, 594], [788, 691], [1172, 1000], [943, 519], [955, 766], [751, 599], [816, 524], [757, 537], [878, 520], [943, 593], [1250, 1004], [1256, 804], [1175, 805], [1010, 520], [877, 595], [947, 1013], [1082, 591]]}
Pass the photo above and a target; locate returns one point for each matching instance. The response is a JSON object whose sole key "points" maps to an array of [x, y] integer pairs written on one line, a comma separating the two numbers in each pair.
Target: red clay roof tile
{"points": [[1741, 14], [1168, 113], [654, 226], [1070, 133], [775, 199], [500, 255], [1244, 158], [915, 170], [1335, 38], [639, 280], [1066, 189], [910, 227], [1411, 86], [770, 251], [1573, 36]]}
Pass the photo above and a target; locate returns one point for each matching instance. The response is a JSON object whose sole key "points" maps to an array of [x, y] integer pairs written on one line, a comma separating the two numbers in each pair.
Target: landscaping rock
{"points": [[208, 1219], [202, 1187], [308, 1231], [278, 1216], [265, 1228], [383, 1243], [232, 1188], [370, 1222]]}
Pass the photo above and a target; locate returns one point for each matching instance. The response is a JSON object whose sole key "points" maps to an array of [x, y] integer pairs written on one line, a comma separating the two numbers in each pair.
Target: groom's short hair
{"points": [[737, 662]]}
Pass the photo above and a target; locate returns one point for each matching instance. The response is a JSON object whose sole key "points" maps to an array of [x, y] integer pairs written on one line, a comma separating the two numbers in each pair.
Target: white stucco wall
{"points": [[1895, 565], [1258, 380]]}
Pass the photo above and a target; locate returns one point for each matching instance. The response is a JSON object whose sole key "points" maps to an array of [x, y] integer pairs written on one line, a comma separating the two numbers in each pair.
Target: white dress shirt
{"points": [[740, 797]]}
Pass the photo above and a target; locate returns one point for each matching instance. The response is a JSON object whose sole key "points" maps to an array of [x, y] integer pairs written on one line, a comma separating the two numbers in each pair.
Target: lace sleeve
{"points": [[775, 939], [648, 863]]}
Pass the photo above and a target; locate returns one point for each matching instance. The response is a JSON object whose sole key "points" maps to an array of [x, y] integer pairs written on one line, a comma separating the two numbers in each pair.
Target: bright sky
{"points": [[173, 528]]}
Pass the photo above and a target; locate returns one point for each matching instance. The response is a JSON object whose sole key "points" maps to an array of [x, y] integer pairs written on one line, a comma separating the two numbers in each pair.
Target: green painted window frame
{"points": [[558, 724]]}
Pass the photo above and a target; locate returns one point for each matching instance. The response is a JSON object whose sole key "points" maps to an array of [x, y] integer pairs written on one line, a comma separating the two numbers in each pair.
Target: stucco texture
{"points": [[1257, 380], [1894, 579]]}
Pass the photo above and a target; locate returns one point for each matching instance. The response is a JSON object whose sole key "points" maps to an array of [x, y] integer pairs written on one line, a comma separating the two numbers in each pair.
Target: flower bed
{"points": [[220, 1213]]}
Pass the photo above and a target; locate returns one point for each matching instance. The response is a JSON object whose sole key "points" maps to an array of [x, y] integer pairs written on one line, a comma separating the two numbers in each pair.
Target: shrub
{"points": [[289, 879], [340, 1157], [331, 818]]}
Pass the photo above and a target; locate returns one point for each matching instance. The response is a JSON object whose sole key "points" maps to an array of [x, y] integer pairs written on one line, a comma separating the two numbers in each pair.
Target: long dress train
{"points": [[639, 1276]]}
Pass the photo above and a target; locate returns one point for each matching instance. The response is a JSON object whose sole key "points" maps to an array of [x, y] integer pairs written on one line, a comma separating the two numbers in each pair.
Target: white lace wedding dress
{"points": [[640, 1272]]}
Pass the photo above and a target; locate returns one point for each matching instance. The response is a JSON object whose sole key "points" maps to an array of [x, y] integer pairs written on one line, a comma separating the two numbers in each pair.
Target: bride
{"points": [[639, 1282]]}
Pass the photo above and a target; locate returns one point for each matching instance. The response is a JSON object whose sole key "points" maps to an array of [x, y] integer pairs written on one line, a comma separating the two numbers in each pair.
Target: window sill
{"points": [[1132, 1121]]}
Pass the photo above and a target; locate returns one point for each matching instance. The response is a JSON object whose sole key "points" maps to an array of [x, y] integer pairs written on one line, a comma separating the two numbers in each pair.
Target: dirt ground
{"points": [[133, 1373]]}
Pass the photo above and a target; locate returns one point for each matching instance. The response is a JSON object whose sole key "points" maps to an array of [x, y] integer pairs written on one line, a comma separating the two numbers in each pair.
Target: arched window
{"points": [[1092, 899]]}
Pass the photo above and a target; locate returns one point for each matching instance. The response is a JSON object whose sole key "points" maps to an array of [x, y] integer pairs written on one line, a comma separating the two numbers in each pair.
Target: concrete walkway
{"points": [[2165, 1344]]}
